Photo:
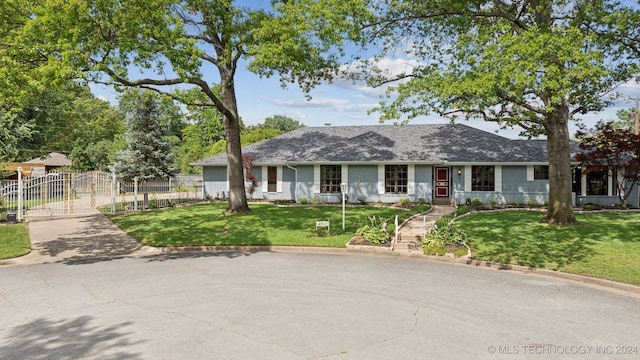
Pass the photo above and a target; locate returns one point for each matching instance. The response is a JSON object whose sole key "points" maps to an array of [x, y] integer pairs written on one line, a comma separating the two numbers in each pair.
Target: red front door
{"points": [[442, 182]]}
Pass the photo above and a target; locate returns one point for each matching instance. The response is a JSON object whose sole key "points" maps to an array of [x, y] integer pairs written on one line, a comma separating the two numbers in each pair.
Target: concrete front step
{"points": [[411, 233], [410, 236], [444, 202], [402, 246]]}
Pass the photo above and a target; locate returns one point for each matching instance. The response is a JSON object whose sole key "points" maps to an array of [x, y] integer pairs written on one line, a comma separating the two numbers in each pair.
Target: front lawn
{"points": [[605, 245], [204, 224], [14, 240]]}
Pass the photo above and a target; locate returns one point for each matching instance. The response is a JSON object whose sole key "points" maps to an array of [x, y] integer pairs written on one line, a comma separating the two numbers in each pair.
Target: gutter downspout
{"points": [[296, 182]]}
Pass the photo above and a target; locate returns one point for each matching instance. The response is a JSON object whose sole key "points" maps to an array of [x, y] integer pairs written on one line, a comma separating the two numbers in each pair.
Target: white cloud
{"points": [[341, 105], [296, 115]]}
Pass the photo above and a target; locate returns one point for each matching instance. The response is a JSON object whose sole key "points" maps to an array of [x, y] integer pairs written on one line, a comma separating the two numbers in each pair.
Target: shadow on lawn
{"points": [[548, 253], [518, 238]]}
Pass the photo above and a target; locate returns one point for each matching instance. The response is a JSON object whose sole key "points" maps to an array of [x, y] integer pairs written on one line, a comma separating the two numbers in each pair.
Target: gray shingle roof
{"points": [[433, 143], [52, 159]]}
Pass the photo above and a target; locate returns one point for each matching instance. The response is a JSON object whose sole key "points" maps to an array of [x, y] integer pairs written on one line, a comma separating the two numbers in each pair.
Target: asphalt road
{"points": [[267, 305]]}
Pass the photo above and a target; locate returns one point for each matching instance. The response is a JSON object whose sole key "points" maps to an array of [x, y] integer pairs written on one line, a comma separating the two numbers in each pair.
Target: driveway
{"points": [[76, 239]]}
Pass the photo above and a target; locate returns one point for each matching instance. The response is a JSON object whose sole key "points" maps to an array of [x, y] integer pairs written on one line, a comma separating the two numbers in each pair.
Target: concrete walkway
{"points": [[72, 240], [411, 232]]}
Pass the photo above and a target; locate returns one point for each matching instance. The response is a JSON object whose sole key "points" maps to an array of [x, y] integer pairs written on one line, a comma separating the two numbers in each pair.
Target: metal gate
{"points": [[86, 193], [58, 194]]}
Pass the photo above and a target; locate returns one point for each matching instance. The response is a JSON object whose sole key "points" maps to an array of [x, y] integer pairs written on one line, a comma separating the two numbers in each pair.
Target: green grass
{"points": [[14, 240], [605, 245], [267, 224]]}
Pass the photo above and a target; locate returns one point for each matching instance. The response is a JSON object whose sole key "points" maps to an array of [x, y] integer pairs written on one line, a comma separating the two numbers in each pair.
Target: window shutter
{"points": [[381, 179], [316, 179], [467, 178], [265, 179], [279, 181], [498, 178], [529, 172], [344, 174], [411, 175]]}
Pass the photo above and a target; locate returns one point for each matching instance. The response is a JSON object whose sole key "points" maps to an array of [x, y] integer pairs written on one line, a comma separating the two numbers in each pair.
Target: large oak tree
{"points": [[535, 64], [171, 45]]}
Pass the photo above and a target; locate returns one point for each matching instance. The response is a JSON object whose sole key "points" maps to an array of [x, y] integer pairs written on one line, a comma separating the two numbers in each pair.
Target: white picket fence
{"points": [[60, 194]]}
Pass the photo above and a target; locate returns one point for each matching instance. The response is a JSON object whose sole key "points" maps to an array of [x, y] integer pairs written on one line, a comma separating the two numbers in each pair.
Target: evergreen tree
{"points": [[148, 154]]}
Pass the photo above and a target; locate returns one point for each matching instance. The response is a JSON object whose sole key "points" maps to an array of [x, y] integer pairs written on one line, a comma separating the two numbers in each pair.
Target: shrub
{"points": [[531, 203], [475, 202], [493, 202], [590, 206], [461, 252], [303, 200], [405, 203], [373, 234], [462, 210], [432, 250], [422, 202], [443, 236], [391, 229], [362, 199], [282, 202], [153, 204]]}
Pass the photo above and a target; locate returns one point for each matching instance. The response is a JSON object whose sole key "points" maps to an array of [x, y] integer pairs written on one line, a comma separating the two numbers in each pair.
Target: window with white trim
{"points": [[598, 183], [396, 179], [483, 178], [330, 178]]}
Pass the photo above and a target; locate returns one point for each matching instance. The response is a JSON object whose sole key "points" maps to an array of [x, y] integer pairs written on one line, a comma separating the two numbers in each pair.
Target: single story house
{"points": [[38, 167], [440, 163]]}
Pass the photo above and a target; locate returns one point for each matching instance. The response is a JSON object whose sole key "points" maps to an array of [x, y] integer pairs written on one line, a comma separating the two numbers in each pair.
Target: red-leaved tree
{"points": [[616, 151], [247, 164]]}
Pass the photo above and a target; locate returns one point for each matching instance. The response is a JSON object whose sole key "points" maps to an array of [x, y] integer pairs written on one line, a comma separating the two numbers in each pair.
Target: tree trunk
{"points": [[560, 210], [235, 173]]}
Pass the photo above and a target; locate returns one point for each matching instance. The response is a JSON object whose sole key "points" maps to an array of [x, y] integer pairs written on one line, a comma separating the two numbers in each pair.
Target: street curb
{"points": [[586, 280]]}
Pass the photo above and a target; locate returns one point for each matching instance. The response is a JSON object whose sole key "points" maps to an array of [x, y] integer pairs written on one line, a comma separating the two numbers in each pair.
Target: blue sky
{"points": [[344, 103]]}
